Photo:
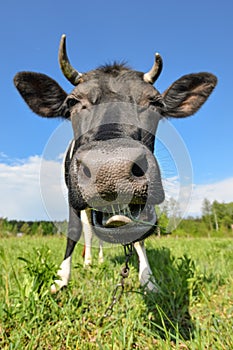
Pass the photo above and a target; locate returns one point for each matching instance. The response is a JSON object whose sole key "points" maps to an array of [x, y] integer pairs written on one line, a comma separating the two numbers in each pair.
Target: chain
{"points": [[119, 288]]}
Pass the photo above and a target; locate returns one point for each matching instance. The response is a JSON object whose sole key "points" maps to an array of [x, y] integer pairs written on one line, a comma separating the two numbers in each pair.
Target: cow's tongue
{"points": [[117, 221]]}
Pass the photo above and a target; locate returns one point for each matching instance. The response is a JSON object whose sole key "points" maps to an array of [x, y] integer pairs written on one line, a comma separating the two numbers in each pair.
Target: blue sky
{"points": [[190, 36]]}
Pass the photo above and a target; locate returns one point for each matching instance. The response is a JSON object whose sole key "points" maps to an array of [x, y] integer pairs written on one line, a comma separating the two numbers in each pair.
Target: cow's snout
{"points": [[118, 171], [132, 168], [121, 176]]}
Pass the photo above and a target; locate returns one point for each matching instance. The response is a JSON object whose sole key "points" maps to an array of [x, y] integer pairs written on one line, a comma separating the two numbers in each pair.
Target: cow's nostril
{"points": [[139, 169]]}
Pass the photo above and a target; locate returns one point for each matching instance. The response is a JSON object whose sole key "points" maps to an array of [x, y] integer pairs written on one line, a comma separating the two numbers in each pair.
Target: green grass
{"points": [[193, 309]]}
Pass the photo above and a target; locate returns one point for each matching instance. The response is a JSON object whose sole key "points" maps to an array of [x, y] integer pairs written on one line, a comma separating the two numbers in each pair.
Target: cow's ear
{"points": [[42, 94], [187, 94]]}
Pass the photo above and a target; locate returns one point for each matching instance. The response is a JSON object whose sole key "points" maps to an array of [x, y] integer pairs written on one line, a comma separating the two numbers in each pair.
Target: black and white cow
{"points": [[111, 173]]}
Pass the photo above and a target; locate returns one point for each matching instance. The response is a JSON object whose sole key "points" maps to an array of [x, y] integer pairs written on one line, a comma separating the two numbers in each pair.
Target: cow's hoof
{"points": [[151, 287], [87, 263], [53, 289], [101, 260], [147, 280], [58, 285]]}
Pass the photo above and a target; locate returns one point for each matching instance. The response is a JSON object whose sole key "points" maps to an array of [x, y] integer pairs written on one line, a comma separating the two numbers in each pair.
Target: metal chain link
{"points": [[119, 288]]}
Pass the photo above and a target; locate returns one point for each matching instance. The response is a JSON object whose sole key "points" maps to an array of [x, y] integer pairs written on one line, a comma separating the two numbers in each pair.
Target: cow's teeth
{"points": [[118, 215]]}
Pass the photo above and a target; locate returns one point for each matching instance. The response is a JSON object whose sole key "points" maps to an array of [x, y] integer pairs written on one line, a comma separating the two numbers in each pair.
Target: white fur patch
{"points": [[88, 234], [64, 274], [145, 274]]}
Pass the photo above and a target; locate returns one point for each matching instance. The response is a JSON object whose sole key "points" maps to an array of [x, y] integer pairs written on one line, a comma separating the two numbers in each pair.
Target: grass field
{"points": [[192, 310]]}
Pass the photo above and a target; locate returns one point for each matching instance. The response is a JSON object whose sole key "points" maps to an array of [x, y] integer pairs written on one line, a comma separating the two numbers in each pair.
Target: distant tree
{"points": [[169, 216], [34, 228], [174, 214], [223, 215], [61, 226], [207, 213], [25, 228], [48, 228], [217, 211], [5, 227]]}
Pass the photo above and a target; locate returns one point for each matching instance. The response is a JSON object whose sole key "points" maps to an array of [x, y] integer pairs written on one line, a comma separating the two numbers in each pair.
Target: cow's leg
{"points": [[101, 253], [145, 274], [74, 233], [87, 232]]}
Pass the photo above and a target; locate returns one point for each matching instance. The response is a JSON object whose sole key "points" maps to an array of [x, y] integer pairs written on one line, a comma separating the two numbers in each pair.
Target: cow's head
{"points": [[110, 166]]}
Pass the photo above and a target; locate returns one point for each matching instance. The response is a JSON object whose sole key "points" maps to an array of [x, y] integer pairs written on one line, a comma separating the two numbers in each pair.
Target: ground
{"points": [[193, 308]]}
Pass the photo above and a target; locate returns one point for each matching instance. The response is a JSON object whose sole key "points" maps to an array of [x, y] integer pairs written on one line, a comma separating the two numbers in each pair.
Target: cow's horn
{"points": [[69, 72], [153, 74]]}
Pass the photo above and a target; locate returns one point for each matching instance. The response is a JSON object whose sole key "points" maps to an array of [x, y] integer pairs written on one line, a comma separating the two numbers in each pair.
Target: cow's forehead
{"points": [[128, 83]]}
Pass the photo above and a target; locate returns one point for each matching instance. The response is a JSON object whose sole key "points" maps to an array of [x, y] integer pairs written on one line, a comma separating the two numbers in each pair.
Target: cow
{"points": [[111, 172]]}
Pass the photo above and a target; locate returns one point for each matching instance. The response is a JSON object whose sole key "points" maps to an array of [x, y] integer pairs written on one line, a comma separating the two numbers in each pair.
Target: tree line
{"points": [[31, 228], [216, 220]]}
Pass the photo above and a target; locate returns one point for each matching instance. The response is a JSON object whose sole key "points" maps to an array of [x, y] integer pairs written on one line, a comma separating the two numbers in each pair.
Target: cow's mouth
{"points": [[124, 223]]}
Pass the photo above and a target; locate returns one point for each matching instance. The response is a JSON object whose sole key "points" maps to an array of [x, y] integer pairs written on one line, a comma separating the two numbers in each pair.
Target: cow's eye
{"points": [[71, 102]]}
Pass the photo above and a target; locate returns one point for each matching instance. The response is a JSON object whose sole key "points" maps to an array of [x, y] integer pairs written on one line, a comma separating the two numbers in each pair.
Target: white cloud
{"points": [[222, 191], [21, 186], [31, 191]]}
